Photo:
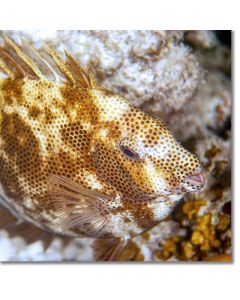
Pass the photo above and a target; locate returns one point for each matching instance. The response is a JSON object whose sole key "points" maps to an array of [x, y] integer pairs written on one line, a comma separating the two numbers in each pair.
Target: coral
{"points": [[201, 39], [210, 109], [212, 55], [203, 238]]}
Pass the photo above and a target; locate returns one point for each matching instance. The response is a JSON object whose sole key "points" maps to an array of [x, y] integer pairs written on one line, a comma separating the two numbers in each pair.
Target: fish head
{"points": [[140, 158]]}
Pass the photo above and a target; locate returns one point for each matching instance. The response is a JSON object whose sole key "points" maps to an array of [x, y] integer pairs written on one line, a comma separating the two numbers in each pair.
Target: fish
{"points": [[79, 160]]}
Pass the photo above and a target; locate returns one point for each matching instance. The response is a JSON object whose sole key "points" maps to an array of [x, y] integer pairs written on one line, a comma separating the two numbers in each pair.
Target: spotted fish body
{"points": [[79, 160]]}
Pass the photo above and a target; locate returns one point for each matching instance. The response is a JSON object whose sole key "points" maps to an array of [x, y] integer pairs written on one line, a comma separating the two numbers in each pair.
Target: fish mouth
{"points": [[196, 179]]}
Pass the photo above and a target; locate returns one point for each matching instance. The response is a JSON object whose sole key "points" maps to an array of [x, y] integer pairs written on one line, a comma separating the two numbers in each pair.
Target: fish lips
{"points": [[197, 180]]}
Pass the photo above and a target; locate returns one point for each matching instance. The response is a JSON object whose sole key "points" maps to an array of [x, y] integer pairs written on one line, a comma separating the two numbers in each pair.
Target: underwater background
{"points": [[183, 78]]}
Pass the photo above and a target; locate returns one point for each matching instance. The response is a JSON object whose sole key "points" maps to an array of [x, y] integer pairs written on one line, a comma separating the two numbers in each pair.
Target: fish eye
{"points": [[130, 153]]}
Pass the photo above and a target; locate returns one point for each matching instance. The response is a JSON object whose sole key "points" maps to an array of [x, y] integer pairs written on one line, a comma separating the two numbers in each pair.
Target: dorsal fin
{"points": [[9, 64], [4, 68], [25, 61], [79, 75], [92, 79], [57, 63], [34, 55], [22, 61]]}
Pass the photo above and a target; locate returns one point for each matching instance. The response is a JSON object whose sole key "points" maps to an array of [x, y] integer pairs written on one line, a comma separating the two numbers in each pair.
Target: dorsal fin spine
{"points": [[43, 66], [33, 65], [92, 79], [79, 74], [24, 57], [59, 62], [5, 69]]}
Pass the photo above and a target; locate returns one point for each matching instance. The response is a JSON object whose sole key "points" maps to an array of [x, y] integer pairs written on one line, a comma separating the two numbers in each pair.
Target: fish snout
{"points": [[196, 180]]}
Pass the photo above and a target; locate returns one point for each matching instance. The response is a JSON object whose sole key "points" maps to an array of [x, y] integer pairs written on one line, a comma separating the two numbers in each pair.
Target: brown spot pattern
{"points": [[93, 137]]}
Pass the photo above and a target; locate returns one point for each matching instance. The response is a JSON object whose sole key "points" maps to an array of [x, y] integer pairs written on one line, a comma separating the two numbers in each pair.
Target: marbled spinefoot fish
{"points": [[77, 159]]}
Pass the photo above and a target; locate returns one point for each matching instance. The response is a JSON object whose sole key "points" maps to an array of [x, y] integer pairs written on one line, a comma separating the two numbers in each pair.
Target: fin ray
{"points": [[11, 64], [35, 56], [30, 69], [57, 63], [109, 249], [78, 206], [5, 69], [25, 61], [79, 75], [92, 79]]}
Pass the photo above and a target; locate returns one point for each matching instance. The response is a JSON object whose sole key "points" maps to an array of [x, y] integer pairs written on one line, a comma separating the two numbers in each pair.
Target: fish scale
{"points": [[79, 160]]}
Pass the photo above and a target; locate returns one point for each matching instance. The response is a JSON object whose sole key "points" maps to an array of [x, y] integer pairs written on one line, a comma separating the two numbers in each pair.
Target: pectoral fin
{"points": [[79, 207], [109, 249]]}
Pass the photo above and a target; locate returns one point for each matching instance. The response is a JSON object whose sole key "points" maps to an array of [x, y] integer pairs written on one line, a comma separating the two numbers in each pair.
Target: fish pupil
{"points": [[129, 152]]}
